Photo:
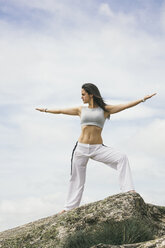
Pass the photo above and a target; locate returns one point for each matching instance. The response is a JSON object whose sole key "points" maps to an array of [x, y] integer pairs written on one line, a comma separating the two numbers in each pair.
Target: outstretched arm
{"points": [[67, 111], [112, 109]]}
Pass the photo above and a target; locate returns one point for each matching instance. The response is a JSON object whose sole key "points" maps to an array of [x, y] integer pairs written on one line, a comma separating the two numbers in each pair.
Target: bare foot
{"points": [[63, 211], [132, 191]]}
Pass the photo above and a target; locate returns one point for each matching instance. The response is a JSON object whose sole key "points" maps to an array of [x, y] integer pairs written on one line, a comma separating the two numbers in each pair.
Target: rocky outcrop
{"points": [[157, 243], [118, 210]]}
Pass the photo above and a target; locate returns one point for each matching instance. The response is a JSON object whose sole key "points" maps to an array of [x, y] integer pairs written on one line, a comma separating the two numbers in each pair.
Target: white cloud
{"points": [[21, 211], [106, 10], [40, 65], [51, 5], [151, 139], [141, 111], [118, 18], [162, 16]]}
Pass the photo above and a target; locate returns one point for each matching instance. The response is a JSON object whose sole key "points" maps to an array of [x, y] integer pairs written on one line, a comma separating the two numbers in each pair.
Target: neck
{"points": [[92, 104]]}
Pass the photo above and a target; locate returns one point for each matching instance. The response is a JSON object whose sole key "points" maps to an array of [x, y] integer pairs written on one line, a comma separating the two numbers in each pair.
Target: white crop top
{"points": [[92, 116]]}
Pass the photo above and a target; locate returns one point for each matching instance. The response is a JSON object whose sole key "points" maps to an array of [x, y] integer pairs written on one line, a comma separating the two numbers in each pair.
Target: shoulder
{"points": [[83, 107], [80, 108], [108, 108]]}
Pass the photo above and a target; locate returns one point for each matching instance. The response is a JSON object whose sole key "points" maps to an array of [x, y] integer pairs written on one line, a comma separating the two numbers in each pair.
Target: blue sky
{"points": [[48, 50]]}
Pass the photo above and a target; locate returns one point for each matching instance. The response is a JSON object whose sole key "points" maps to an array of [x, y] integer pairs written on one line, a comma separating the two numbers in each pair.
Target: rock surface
{"points": [[51, 232], [157, 243]]}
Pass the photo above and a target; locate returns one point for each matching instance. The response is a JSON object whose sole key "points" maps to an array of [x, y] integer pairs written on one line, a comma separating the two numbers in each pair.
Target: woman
{"points": [[90, 143]]}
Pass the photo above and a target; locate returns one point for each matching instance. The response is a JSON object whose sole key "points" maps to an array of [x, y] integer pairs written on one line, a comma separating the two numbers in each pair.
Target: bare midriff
{"points": [[91, 135]]}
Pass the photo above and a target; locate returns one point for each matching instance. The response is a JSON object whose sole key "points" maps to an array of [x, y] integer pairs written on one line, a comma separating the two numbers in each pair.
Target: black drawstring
{"points": [[72, 156]]}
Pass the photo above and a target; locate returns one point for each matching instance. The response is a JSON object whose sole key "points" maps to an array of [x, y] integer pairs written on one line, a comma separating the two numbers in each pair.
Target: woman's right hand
{"points": [[41, 109]]}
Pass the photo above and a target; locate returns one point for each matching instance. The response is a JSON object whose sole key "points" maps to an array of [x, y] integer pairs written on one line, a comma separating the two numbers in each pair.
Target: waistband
{"points": [[88, 145]]}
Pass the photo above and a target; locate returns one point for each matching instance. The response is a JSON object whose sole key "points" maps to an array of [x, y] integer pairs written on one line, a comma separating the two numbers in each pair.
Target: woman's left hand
{"points": [[148, 96]]}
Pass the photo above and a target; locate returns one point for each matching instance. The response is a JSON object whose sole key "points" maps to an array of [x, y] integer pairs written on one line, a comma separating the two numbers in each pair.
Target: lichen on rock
{"points": [[95, 223]]}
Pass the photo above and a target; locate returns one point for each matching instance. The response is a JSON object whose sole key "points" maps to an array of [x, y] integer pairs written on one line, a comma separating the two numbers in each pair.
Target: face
{"points": [[85, 96]]}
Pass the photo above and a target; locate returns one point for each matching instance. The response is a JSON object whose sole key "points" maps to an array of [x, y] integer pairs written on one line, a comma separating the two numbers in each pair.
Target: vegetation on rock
{"points": [[116, 221], [115, 233]]}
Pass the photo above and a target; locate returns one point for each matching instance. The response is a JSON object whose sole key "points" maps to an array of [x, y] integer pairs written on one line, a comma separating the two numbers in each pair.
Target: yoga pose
{"points": [[90, 143]]}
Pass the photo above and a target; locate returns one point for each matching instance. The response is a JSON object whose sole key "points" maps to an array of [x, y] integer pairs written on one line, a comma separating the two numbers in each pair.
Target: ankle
{"points": [[63, 211]]}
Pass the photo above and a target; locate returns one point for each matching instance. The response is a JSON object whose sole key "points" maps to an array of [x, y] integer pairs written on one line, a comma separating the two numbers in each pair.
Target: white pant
{"points": [[101, 153]]}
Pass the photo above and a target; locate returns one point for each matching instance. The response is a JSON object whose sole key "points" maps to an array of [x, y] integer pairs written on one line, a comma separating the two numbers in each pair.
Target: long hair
{"points": [[92, 89]]}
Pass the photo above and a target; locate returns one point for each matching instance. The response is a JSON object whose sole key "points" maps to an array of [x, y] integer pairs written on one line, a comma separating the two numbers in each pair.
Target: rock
{"points": [[159, 243], [57, 230]]}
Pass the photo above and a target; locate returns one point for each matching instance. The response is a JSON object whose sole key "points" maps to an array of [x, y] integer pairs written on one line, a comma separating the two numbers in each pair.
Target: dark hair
{"points": [[92, 89]]}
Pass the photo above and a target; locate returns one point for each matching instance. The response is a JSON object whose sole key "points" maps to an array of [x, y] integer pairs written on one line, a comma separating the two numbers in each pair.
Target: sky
{"points": [[48, 49]]}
